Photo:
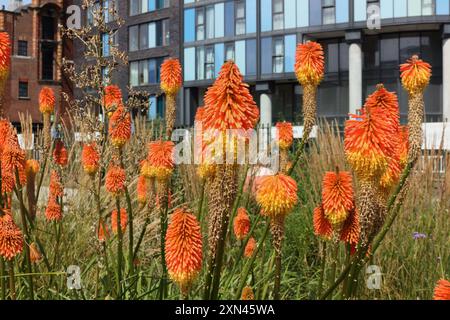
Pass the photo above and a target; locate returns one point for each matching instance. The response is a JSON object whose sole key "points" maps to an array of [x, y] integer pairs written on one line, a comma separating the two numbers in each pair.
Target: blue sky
{"points": [[5, 2]]}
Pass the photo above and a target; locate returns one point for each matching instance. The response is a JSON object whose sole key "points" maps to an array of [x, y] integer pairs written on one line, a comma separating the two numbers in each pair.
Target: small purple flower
{"points": [[417, 235]]}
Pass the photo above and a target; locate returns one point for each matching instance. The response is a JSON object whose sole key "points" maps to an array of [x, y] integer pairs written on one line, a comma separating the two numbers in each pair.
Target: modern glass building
{"points": [[365, 41]]}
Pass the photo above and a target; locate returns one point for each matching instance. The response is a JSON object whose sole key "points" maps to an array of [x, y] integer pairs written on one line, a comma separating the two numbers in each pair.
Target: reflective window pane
{"points": [[266, 55], [328, 15], [189, 25], [250, 19], [266, 15], [315, 12], [251, 57], [342, 11], [189, 64]]}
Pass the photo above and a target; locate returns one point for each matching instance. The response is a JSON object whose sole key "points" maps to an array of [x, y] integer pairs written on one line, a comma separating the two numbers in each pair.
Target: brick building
{"points": [[36, 55], [150, 34]]}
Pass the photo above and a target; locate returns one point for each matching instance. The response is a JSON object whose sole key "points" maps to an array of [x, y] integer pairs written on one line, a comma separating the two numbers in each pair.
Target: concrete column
{"points": [[446, 79], [266, 109], [355, 77]]}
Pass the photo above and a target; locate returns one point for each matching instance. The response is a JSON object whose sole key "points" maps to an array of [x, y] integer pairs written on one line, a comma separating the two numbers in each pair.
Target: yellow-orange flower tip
{"points": [[55, 188], [309, 63], [113, 97], [160, 159], [115, 180], [102, 231], [60, 156], [53, 211], [171, 77], [228, 102], [415, 74], [337, 196], [241, 224], [47, 100], [206, 170], [142, 190], [350, 232], [322, 227], [31, 167], [115, 221], [90, 158], [13, 156], [11, 238], [183, 248], [285, 135], [388, 102], [250, 248], [369, 143], [442, 290], [120, 127], [247, 293], [35, 254], [277, 194], [5, 55]]}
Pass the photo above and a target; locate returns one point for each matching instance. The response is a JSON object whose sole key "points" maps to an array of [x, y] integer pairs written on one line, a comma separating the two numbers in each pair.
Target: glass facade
{"points": [[144, 6], [148, 35], [145, 72]]}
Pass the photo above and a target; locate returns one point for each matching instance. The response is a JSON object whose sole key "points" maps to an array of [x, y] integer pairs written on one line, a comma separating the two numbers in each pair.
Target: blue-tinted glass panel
{"points": [[229, 19], [189, 64], [151, 5], [189, 25], [289, 14], [360, 10], [218, 57], [152, 108], [239, 49], [266, 55], [400, 7], [290, 43], [342, 11], [387, 9], [442, 7], [251, 57], [189, 1], [250, 16], [302, 13], [315, 13], [266, 15], [105, 44], [219, 24], [152, 69], [414, 8]]}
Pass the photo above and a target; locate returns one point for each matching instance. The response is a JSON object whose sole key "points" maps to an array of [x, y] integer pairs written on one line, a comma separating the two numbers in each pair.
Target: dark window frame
{"points": [[275, 57], [22, 48], [236, 19], [277, 14], [21, 96]]}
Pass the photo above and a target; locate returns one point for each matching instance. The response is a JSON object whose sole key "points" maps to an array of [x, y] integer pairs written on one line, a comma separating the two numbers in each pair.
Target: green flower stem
{"points": [[2, 280], [12, 284], [119, 251]]}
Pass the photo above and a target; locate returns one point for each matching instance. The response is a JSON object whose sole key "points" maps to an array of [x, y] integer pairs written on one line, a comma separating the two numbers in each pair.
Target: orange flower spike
{"points": [[53, 211], [388, 102], [285, 135], [404, 146], [31, 167], [351, 229], [247, 294], [60, 155], [228, 103], [35, 255], [442, 290], [337, 196], [8, 181], [160, 159], [55, 188], [102, 231], [47, 100], [90, 158], [11, 238], [183, 248], [13, 156], [322, 227], [309, 63], [120, 127], [277, 194], [142, 190], [5, 55], [5, 130], [123, 220], [241, 224], [171, 77], [415, 74], [112, 98], [250, 248], [115, 180]]}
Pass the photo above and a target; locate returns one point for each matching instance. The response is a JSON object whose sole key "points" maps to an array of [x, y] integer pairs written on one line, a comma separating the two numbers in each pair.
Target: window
{"points": [[200, 24], [219, 25], [229, 18], [145, 72], [442, 7], [210, 22], [328, 12], [133, 38], [189, 25], [266, 55], [105, 76], [209, 63], [22, 48], [229, 51], [240, 17], [278, 15], [156, 107], [200, 63], [106, 43], [315, 9], [165, 32], [250, 20], [149, 35], [302, 13], [23, 90], [251, 61], [47, 52], [189, 64], [143, 6], [278, 55]]}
